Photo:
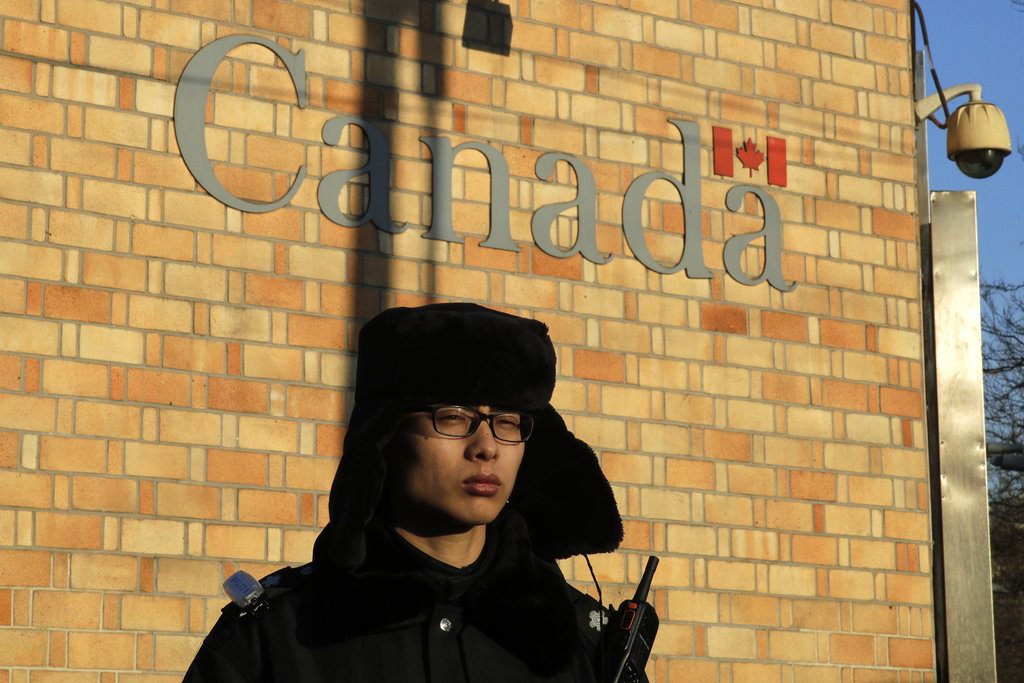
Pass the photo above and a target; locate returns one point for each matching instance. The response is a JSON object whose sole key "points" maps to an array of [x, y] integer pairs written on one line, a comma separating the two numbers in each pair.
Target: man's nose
{"points": [[482, 445]]}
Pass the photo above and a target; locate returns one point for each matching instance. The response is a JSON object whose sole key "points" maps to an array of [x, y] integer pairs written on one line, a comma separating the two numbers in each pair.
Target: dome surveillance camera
{"points": [[977, 138]]}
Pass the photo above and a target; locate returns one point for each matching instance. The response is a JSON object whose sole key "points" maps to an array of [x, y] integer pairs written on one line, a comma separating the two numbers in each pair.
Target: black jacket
{"points": [[512, 619]]}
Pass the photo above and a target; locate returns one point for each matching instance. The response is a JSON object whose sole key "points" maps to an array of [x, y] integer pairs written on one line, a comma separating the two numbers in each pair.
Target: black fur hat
{"points": [[467, 354]]}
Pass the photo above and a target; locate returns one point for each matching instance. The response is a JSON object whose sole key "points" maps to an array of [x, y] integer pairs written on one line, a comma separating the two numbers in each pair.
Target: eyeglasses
{"points": [[459, 421]]}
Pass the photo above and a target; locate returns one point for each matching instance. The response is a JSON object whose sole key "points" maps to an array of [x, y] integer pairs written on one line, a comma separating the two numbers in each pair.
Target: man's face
{"points": [[447, 484]]}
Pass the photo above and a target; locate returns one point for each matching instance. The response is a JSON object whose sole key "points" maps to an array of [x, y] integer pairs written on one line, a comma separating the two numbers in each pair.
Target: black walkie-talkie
{"points": [[632, 636]]}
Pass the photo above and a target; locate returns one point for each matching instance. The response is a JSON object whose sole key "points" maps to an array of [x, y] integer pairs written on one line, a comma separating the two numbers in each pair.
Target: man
{"points": [[458, 487]]}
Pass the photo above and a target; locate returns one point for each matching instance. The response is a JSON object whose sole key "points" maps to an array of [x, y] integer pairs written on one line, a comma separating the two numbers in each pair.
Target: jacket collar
{"points": [[518, 600]]}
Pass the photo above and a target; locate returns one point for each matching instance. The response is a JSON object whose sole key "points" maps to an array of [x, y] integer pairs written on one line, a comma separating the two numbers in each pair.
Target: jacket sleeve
{"points": [[229, 654]]}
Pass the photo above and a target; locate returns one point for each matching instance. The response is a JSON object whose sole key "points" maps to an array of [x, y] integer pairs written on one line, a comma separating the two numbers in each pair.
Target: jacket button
{"points": [[446, 624]]}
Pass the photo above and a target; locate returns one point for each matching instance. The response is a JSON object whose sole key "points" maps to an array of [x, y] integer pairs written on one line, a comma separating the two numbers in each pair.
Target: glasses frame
{"points": [[477, 417]]}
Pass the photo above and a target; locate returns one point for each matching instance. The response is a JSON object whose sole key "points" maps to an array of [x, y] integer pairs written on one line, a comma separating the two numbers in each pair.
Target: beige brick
{"points": [[117, 127], [739, 643], [236, 542], [66, 609], [24, 335], [731, 576], [262, 433], [156, 460], [153, 613], [37, 40], [190, 427], [240, 323], [190, 577], [169, 29], [110, 344], [153, 536], [159, 313], [31, 186], [104, 572], [82, 158], [81, 85], [101, 650], [91, 15], [106, 419], [121, 55], [24, 647], [27, 413], [81, 230], [788, 580]]}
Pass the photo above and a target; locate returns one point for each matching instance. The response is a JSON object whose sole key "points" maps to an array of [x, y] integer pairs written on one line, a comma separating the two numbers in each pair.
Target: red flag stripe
{"points": [[723, 157], [776, 161]]}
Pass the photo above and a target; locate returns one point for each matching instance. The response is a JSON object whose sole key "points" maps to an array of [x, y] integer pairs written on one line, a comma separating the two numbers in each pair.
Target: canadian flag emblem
{"points": [[725, 154]]}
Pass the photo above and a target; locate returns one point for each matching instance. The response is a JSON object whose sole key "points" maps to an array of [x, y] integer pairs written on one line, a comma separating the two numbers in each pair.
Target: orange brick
{"points": [[315, 404], [24, 568], [187, 500], [691, 474], [726, 445], [714, 13], [72, 455], [236, 541], [9, 449], [839, 394], [66, 609], [723, 318], [900, 402], [599, 365], [277, 292], [788, 326], [875, 618], [198, 355], [785, 388], [75, 379], [153, 386], [329, 439], [814, 550], [63, 530], [10, 372], [281, 16], [25, 489], [236, 467], [325, 333], [842, 334], [75, 303], [237, 395], [911, 653], [812, 485], [116, 272], [15, 74], [271, 507], [172, 243], [851, 649], [107, 494], [892, 224]]}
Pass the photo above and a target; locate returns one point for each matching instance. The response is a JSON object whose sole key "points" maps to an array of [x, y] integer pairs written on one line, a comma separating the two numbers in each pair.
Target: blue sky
{"points": [[983, 41]]}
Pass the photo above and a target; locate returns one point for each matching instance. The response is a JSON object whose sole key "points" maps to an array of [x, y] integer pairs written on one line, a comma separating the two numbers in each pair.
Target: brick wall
{"points": [[175, 374]]}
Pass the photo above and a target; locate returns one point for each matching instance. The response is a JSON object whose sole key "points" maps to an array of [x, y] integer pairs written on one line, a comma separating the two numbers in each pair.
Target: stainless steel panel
{"points": [[961, 434]]}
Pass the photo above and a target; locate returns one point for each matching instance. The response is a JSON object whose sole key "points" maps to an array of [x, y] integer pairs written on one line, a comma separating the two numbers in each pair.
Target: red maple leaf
{"points": [[749, 156]]}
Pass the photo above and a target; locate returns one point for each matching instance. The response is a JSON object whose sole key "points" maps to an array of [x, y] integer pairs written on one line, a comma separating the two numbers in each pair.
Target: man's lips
{"points": [[482, 484]]}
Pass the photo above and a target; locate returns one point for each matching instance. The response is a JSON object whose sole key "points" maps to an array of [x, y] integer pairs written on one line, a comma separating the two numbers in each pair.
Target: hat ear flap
{"points": [[358, 485], [563, 495]]}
